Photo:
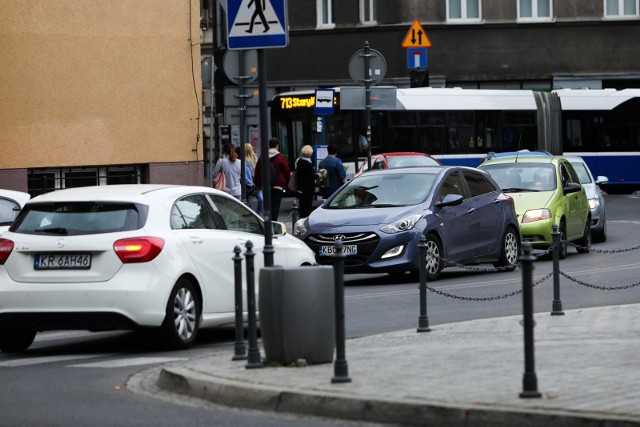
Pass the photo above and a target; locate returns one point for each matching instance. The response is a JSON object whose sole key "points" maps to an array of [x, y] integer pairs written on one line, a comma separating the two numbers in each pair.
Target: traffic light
{"points": [[419, 77], [220, 79]]}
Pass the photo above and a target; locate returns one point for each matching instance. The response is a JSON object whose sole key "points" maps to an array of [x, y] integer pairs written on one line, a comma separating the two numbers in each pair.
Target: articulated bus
{"points": [[461, 126]]}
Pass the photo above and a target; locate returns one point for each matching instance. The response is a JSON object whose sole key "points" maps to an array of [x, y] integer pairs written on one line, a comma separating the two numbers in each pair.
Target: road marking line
{"points": [[27, 361], [132, 361]]}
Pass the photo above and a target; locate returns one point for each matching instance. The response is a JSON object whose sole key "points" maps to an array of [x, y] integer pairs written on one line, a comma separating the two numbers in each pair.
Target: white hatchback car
{"points": [[129, 256], [10, 204]]}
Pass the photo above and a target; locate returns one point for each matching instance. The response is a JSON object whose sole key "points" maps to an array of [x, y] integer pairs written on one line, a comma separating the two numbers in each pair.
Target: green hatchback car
{"points": [[546, 190]]}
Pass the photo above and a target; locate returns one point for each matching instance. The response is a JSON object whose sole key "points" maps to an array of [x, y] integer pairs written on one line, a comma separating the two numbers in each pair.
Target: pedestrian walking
{"points": [[279, 172], [230, 166], [252, 192], [335, 173], [306, 177]]}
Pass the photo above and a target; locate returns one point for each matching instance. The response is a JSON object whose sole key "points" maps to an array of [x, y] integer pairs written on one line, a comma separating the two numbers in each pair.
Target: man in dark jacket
{"points": [[306, 177], [279, 173], [335, 172]]}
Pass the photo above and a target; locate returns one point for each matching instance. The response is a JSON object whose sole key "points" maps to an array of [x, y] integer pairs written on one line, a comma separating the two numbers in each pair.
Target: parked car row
{"points": [[159, 256]]}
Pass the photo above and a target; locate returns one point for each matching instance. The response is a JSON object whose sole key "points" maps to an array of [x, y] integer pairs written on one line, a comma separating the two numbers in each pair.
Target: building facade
{"points": [[97, 92]]}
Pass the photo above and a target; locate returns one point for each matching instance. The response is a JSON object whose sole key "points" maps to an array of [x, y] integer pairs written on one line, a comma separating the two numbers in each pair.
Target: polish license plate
{"points": [[329, 250], [62, 261]]}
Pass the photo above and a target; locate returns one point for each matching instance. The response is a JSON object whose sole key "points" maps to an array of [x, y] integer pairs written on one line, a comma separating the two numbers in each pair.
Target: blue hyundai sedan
{"points": [[380, 217]]}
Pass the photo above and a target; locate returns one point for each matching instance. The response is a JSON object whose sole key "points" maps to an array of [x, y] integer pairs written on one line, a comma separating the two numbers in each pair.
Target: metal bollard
{"points": [[239, 348], [423, 319], [529, 379], [556, 307], [295, 212], [253, 360], [340, 366]]}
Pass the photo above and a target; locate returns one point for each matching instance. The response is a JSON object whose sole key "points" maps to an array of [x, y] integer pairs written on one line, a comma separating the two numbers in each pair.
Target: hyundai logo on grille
{"points": [[339, 237]]}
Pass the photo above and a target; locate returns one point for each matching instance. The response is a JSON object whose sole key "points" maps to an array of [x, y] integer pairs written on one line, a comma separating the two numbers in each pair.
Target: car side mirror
{"points": [[572, 187], [450, 200], [602, 180], [279, 229]]}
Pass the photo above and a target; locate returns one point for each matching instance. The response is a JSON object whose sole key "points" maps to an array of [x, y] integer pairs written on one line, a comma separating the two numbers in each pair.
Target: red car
{"points": [[398, 159]]}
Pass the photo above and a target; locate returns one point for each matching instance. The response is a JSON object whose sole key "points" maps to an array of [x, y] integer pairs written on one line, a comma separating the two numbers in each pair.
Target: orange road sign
{"points": [[416, 36]]}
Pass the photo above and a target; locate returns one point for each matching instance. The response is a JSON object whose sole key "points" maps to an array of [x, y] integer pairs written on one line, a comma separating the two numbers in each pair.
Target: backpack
{"points": [[273, 172]]}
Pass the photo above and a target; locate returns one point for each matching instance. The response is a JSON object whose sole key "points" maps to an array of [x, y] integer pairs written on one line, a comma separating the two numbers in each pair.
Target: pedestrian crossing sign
{"points": [[256, 24]]}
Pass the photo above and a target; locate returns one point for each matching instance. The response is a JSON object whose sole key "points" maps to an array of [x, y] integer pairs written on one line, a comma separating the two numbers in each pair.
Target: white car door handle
{"points": [[196, 240]]}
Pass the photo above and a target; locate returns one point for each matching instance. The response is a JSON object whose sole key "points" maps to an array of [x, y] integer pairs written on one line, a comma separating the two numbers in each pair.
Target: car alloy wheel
{"points": [[183, 315], [510, 250], [433, 259]]}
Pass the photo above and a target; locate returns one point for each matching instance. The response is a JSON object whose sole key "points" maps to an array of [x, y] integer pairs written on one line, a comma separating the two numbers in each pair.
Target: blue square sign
{"points": [[256, 24]]}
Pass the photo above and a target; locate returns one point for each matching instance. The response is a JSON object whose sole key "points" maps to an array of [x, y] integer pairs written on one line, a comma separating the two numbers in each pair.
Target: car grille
{"points": [[367, 243]]}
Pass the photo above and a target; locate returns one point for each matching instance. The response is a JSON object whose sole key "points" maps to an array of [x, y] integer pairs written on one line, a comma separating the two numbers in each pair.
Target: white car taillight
{"points": [[6, 247], [138, 249]]}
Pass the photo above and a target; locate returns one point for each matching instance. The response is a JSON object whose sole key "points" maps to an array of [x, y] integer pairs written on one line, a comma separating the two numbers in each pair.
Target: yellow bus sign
{"points": [[416, 36]]}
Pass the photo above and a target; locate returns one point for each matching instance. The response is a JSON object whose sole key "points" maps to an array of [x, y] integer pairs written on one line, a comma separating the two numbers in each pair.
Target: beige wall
{"points": [[99, 82]]}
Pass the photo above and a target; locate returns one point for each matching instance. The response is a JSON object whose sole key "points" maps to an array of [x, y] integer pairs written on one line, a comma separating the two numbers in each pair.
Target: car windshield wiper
{"points": [[383, 205], [515, 190], [53, 230]]}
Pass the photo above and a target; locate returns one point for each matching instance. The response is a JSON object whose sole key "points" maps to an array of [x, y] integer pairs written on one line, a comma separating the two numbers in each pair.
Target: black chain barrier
{"points": [[494, 298], [602, 288]]}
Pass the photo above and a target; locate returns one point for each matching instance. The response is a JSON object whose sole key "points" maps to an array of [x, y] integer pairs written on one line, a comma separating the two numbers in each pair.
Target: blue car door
{"points": [[453, 221], [488, 216]]}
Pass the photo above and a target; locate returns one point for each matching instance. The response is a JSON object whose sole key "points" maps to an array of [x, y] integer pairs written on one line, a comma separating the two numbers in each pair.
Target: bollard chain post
{"points": [[529, 379], [423, 319], [556, 306], [340, 366], [253, 359], [239, 348], [295, 211]]}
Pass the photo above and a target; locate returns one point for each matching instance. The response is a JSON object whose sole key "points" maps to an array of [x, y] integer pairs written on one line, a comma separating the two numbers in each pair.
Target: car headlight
{"points": [[299, 228], [536, 215], [401, 225], [594, 203]]}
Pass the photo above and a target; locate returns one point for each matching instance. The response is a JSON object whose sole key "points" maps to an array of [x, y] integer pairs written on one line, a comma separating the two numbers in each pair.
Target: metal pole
{"points": [[556, 307], [294, 212], [211, 123], [264, 148], [367, 93], [529, 379], [340, 366], [242, 109], [239, 348], [423, 319], [253, 360]]}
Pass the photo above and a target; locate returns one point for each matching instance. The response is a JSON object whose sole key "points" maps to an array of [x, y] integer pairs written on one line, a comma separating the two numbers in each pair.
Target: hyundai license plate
{"points": [[62, 261], [328, 250]]}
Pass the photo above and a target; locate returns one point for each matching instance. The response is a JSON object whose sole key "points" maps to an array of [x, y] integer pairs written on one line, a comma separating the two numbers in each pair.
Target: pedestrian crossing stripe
{"points": [[255, 24]]}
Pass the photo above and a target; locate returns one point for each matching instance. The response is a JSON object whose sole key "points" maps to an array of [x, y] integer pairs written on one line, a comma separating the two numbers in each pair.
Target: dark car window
{"points": [[572, 173], [478, 184], [75, 218], [452, 185], [8, 211], [236, 216], [192, 212]]}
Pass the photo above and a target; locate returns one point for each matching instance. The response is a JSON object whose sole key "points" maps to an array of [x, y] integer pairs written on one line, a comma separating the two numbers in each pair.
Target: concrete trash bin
{"points": [[297, 314]]}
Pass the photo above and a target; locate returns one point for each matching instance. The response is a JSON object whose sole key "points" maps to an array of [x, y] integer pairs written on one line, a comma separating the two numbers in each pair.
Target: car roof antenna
{"points": [[518, 149]]}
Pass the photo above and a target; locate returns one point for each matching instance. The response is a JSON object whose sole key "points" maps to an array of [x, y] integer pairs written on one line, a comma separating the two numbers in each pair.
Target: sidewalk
{"points": [[463, 374]]}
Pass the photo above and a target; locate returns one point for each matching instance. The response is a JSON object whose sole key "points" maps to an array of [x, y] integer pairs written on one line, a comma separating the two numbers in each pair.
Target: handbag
{"points": [[220, 181], [293, 182]]}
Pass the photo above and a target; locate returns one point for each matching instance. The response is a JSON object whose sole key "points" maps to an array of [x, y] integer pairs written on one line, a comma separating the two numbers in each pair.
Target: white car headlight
{"points": [[299, 228], [536, 215], [594, 203], [404, 224]]}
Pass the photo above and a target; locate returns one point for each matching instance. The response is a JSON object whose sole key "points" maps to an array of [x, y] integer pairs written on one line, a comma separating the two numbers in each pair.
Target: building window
{"points": [[464, 10], [368, 12], [624, 9], [534, 10], [324, 12], [42, 181]]}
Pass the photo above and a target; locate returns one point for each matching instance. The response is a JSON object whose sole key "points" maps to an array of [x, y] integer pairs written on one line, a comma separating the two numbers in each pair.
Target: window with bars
{"points": [[42, 181]]}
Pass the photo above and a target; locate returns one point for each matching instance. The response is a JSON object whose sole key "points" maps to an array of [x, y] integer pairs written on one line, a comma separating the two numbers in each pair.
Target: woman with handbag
{"points": [[305, 177], [229, 165]]}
